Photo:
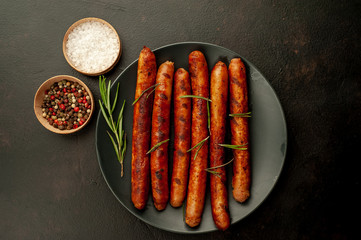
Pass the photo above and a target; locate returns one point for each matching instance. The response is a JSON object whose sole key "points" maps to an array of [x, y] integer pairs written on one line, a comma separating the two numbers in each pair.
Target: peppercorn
{"points": [[66, 105]]}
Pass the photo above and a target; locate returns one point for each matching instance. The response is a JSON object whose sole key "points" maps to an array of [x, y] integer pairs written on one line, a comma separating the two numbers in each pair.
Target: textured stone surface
{"points": [[51, 186]]}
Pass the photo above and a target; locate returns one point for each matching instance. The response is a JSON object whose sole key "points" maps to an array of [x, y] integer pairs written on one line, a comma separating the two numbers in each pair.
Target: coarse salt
{"points": [[92, 47]]}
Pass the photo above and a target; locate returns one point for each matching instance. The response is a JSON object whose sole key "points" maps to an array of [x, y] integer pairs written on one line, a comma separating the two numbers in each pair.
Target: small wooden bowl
{"points": [[77, 24], [39, 97]]}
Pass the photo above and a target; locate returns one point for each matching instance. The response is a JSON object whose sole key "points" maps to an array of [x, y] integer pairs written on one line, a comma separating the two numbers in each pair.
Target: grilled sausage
{"points": [[160, 132], [182, 128], [197, 175], [239, 129], [219, 95], [146, 74]]}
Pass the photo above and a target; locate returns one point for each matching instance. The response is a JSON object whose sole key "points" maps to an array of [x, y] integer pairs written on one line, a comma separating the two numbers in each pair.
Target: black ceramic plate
{"points": [[268, 141]]}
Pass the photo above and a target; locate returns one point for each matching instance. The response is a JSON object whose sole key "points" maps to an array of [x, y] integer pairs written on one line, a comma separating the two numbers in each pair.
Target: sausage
{"points": [[160, 132], [197, 175], [182, 142], [146, 75], [239, 130], [218, 109]]}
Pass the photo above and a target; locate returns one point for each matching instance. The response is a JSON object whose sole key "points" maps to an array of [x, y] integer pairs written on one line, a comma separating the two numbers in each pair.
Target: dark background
{"points": [[51, 186]]}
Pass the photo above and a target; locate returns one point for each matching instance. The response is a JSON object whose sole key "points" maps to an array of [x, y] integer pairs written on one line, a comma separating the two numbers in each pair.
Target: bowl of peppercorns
{"points": [[63, 104]]}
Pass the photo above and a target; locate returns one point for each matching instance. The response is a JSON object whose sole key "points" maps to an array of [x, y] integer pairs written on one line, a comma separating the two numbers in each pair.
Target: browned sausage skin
{"points": [[160, 132], [182, 131], [239, 128], [197, 175], [146, 75], [219, 97]]}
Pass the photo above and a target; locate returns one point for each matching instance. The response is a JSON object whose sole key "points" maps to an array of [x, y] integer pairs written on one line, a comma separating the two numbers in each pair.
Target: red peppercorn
{"points": [[73, 90], [64, 90], [76, 109], [89, 106], [62, 106], [54, 113], [56, 121], [51, 109], [66, 100], [80, 100], [84, 101], [81, 122], [86, 104], [84, 98], [52, 97], [75, 126]]}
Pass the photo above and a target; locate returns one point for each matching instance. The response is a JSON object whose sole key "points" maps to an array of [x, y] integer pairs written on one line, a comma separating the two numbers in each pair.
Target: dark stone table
{"points": [[51, 186]]}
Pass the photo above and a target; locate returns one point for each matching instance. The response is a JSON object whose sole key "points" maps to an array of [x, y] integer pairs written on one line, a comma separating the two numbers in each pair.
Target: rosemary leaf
{"points": [[157, 146], [108, 98], [105, 116], [144, 91], [213, 172], [247, 114], [237, 147], [114, 144], [115, 98], [120, 116], [197, 144], [194, 96], [200, 146], [150, 93], [220, 165]]}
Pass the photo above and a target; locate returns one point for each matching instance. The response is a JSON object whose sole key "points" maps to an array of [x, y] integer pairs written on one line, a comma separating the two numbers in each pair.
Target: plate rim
{"points": [[282, 116]]}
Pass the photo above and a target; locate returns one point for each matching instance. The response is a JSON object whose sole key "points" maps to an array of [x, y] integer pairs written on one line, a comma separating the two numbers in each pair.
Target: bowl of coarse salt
{"points": [[92, 46]]}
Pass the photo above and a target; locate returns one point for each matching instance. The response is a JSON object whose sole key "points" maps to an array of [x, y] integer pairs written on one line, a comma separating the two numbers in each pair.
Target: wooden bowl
{"points": [[71, 28], [39, 97]]}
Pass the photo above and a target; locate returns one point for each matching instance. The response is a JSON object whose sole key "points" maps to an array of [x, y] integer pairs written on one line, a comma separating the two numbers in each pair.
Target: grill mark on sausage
{"points": [[158, 173], [166, 75], [180, 153], [235, 81], [177, 181], [161, 119], [163, 96]]}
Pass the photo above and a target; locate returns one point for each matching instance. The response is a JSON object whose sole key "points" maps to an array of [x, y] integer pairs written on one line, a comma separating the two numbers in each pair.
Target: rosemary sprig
{"points": [[247, 114], [199, 145], [195, 96], [144, 91], [215, 167], [222, 165], [213, 172], [157, 146], [236, 147], [208, 111], [119, 139]]}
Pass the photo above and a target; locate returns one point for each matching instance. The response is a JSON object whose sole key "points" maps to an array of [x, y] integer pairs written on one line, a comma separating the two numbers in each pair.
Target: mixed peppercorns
{"points": [[66, 105]]}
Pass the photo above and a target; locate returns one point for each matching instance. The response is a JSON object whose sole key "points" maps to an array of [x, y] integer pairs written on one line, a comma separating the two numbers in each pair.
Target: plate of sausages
{"points": [[206, 138]]}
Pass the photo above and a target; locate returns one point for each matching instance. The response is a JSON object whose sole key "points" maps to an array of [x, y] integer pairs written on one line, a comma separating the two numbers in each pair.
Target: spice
{"points": [[58, 107]]}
